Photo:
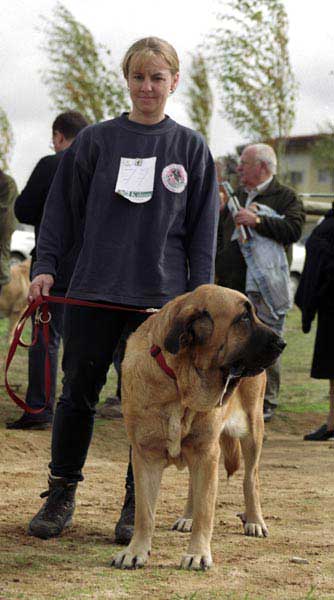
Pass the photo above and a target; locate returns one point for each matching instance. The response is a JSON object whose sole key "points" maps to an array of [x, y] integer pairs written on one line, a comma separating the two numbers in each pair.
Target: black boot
{"points": [[56, 513], [125, 525], [27, 421]]}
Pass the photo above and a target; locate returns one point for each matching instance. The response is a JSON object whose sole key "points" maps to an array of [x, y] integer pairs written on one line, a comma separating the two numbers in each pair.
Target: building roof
{"points": [[295, 142]]}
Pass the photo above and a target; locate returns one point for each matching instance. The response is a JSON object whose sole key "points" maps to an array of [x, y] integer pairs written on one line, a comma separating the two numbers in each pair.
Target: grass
{"points": [[299, 393]]}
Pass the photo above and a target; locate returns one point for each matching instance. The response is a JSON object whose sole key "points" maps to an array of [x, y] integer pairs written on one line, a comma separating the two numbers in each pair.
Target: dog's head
{"points": [[218, 328]]}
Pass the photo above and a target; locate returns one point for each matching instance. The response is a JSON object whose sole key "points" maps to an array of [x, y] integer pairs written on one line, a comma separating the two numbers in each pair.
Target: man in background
{"points": [[29, 208], [259, 184]]}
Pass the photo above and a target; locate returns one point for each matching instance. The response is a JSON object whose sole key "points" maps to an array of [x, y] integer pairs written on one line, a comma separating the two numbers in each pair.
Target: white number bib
{"points": [[135, 178]]}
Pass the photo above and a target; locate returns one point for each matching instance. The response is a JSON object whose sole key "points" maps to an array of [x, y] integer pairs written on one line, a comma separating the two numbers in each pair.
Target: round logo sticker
{"points": [[174, 178]]}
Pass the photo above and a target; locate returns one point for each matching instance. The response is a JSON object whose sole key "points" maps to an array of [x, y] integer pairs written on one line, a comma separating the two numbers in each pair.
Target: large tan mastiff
{"points": [[14, 294], [213, 342]]}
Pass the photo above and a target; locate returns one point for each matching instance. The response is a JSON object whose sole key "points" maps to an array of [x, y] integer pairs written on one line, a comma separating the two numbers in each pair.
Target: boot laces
{"points": [[57, 502]]}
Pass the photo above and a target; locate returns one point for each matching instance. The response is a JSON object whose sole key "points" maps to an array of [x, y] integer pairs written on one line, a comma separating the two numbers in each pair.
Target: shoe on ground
{"points": [[56, 513], [268, 413], [28, 421], [111, 409], [125, 526], [320, 435]]}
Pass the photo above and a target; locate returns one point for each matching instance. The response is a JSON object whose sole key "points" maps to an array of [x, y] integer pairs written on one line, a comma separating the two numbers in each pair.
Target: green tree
{"points": [[323, 150], [81, 76], [250, 60], [6, 140], [199, 95]]}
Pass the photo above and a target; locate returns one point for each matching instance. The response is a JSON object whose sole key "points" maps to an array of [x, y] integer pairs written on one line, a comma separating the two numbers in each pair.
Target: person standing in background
{"points": [[259, 185], [29, 208], [315, 297]]}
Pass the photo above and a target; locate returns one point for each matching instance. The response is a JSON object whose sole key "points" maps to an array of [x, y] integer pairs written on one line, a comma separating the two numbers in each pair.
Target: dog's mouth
{"points": [[231, 377]]}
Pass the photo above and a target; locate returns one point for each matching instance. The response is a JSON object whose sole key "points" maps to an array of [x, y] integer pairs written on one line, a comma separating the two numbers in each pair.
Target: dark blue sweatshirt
{"points": [[119, 251]]}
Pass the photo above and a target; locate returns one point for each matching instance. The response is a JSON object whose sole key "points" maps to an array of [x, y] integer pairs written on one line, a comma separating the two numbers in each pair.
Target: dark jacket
{"points": [[316, 287], [8, 193], [29, 205], [230, 264]]}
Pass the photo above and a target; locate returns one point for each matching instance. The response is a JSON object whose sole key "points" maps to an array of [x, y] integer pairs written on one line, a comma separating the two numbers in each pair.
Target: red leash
{"points": [[42, 318]]}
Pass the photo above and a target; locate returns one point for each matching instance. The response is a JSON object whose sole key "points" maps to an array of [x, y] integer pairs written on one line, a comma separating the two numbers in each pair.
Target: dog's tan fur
{"points": [[13, 296], [181, 423]]}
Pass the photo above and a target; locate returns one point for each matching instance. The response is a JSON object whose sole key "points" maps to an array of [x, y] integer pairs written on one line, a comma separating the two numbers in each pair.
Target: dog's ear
{"points": [[195, 328]]}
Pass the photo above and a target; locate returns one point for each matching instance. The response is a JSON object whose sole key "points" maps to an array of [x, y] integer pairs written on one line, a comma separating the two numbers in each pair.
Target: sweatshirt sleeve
{"points": [[202, 221], [63, 218]]}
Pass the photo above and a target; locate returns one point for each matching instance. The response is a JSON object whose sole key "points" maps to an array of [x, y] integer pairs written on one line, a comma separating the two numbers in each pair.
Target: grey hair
{"points": [[266, 154]]}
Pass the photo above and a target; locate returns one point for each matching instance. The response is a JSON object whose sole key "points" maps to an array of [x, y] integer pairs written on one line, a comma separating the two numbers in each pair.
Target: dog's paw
{"points": [[128, 559], [182, 524], [256, 529], [253, 529], [196, 562]]}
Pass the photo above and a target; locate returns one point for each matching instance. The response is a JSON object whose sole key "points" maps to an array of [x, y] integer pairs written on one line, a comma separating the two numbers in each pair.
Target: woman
{"points": [[315, 296], [134, 207], [8, 193]]}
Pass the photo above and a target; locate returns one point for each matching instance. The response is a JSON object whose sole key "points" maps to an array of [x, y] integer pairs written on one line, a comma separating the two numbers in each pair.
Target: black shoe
{"points": [[268, 413], [320, 435], [56, 513], [125, 525], [28, 421]]}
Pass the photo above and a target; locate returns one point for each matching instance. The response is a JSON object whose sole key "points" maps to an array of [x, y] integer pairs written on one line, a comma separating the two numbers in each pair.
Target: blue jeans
{"points": [[274, 371], [35, 396]]}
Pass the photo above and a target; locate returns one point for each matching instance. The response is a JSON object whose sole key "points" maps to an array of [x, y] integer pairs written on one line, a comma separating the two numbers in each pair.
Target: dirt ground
{"points": [[297, 499]]}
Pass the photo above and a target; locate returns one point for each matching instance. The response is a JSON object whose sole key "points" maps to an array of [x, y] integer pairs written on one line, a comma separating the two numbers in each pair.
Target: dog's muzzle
{"points": [[261, 351]]}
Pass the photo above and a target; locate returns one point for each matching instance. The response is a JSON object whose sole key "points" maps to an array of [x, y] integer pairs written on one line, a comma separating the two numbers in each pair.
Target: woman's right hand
{"points": [[40, 286]]}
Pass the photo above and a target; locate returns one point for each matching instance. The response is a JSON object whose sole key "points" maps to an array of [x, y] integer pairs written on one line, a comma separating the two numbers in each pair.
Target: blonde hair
{"points": [[148, 48]]}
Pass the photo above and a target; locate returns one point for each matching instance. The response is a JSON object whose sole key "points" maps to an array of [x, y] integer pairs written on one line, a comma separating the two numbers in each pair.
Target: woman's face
{"points": [[150, 82]]}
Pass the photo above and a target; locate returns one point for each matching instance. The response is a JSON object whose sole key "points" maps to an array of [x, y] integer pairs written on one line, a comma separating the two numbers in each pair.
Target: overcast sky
{"points": [[117, 24]]}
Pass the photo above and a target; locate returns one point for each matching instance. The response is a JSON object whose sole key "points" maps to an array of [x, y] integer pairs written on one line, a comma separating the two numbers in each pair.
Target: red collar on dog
{"points": [[155, 351]]}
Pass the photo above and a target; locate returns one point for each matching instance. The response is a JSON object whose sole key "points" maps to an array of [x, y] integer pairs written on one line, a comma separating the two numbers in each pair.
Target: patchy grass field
{"points": [[297, 499]]}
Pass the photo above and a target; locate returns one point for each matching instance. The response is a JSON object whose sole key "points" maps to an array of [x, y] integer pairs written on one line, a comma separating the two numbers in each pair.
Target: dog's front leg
{"points": [[203, 466], [252, 518], [147, 476]]}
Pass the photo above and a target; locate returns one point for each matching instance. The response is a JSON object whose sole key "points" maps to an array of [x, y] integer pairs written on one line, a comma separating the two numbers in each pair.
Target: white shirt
{"points": [[251, 194]]}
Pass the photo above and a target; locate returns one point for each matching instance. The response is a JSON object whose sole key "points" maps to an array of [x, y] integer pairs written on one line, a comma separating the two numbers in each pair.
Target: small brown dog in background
{"points": [[13, 296], [217, 349]]}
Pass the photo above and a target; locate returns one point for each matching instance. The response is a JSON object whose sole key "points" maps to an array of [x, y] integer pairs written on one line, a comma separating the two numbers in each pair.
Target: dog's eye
{"points": [[244, 318]]}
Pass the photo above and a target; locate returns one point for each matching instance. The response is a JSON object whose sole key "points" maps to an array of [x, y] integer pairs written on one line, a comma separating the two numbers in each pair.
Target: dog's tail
{"points": [[232, 453]]}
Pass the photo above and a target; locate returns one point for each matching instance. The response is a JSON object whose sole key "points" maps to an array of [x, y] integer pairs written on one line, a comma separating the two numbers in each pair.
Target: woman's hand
{"points": [[40, 285]]}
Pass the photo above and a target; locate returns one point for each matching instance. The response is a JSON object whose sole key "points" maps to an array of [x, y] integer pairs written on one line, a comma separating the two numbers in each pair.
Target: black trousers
{"points": [[90, 339]]}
